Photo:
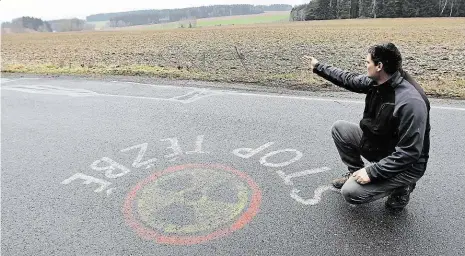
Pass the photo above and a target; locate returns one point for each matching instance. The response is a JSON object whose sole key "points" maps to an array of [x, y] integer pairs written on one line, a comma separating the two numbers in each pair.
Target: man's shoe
{"points": [[339, 182], [399, 198]]}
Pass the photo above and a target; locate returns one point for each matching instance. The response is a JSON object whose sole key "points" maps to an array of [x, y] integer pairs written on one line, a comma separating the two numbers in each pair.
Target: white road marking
{"points": [[198, 146], [324, 99], [317, 195], [109, 191], [135, 97], [186, 98], [249, 152], [296, 158], [174, 145], [73, 92], [88, 180], [295, 97], [142, 150], [9, 80], [54, 90], [287, 178], [447, 108], [156, 86], [194, 95], [5, 80], [109, 169]]}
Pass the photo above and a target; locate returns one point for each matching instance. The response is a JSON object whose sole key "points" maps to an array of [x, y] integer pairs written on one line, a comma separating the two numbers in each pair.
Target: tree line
{"points": [[64, 25], [145, 17], [350, 9], [27, 24]]}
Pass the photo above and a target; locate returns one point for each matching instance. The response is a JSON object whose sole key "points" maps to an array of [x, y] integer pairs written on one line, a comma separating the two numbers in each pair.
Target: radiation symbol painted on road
{"points": [[191, 204]]}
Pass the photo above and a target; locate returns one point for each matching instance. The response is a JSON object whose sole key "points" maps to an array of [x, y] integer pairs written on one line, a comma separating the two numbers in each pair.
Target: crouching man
{"points": [[394, 133]]}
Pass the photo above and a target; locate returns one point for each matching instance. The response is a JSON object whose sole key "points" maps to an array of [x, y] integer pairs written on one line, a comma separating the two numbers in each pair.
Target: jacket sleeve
{"points": [[413, 116], [351, 81]]}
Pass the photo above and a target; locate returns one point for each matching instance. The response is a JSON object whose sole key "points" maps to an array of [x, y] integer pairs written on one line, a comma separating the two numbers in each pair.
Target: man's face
{"points": [[372, 69]]}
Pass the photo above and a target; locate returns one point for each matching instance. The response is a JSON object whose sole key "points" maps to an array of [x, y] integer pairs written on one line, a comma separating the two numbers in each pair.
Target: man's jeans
{"points": [[347, 137]]}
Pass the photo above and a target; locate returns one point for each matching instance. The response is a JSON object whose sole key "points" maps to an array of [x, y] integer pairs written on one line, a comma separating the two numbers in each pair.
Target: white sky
{"points": [[57, 9]]}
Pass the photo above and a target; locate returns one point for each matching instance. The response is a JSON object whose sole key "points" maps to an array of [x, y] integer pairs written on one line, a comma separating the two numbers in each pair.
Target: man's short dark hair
{"points": [[388, 54]]}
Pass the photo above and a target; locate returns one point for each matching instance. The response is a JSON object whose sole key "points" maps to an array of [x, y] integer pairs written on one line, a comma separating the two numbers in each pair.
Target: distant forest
{"points": [[145, 17], [314, 10], [31, 24], [350, 9], [25, 24]]}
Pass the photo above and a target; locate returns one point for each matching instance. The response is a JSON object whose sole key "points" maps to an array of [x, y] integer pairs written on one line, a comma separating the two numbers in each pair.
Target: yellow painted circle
{"points": [[193, 201]]}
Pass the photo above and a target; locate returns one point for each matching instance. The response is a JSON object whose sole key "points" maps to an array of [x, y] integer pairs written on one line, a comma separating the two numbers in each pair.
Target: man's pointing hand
{"points": [[309, 60]]}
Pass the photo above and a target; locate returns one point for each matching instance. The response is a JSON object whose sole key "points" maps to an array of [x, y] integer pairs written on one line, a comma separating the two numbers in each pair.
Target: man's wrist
{"points": [[315, 66], [368, 171]]}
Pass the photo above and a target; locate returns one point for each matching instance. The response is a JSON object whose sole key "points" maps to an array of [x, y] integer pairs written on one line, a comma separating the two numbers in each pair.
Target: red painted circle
{"points": [[150, 234]]}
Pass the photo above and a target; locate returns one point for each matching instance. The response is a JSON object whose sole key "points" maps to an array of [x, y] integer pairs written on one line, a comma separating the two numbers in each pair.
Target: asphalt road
{"points": [[95, 167]]}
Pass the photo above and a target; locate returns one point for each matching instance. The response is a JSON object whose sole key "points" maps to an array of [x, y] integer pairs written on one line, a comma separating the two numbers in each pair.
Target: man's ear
{"points": [[379, 67]]}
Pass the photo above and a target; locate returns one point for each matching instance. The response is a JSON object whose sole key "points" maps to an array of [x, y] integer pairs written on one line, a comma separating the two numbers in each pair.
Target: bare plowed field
{"points": [[268, 54]]}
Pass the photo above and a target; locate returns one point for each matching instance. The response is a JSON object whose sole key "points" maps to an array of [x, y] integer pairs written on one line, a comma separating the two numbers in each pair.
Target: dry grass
{"points": [[269, 54]]}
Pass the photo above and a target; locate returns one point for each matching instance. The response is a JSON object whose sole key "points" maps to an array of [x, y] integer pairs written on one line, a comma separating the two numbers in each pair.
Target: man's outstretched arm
{"points": [[351, 81]]}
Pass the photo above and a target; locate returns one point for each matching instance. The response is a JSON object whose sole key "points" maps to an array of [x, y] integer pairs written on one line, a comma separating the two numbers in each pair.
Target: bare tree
{"points": [[360, 8], [451, 8], [374, 9], [444, 7]]}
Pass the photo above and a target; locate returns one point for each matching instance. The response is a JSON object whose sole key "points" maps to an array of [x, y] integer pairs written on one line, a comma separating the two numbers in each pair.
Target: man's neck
{"points": [[383, 79]]}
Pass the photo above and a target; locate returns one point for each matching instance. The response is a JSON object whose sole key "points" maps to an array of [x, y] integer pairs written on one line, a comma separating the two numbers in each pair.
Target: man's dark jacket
{"points": [[395, 124]]}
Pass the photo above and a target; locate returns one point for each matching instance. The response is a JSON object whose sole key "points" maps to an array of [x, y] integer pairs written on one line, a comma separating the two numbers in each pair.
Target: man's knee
{"points": [[337, 128], [353, 192]]}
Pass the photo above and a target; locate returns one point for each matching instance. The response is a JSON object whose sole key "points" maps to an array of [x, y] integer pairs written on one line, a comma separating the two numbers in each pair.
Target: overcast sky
{"points": [[57, 9]]}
